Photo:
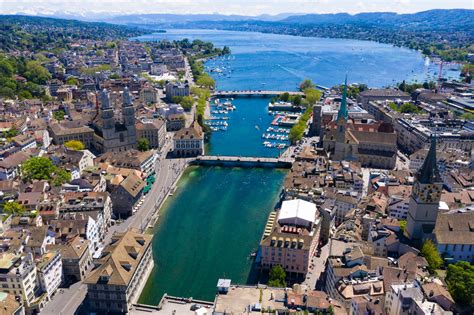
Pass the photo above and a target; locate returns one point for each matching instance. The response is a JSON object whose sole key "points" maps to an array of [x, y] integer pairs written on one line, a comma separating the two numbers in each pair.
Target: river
{"points": [[208, 229], [215, 218]]}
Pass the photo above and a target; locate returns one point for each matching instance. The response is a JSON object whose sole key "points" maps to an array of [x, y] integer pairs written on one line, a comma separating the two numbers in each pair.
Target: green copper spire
{"points": [[343, 109], [429, 172]]}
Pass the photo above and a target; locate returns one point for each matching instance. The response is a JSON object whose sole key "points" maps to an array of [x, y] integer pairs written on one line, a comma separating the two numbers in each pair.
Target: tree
{"points": [[430, 252], [187, 102], [312, 95], [409, 108], [36, 73], [284, 97], [13, 207], [143, 144], [206, 81], [460, 281], [297, 100], [468, 116], [307, 84], [60, 177], [72, 81], [75, 145], [277, 277], [39, 168], [403, 225], [59, 115]]}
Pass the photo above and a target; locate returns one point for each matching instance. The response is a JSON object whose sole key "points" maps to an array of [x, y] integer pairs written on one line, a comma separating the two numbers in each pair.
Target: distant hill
{"points": [[432, 19]]}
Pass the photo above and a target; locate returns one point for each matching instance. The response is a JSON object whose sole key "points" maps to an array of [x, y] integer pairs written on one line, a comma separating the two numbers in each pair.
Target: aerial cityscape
{"points": [[237, 157]]}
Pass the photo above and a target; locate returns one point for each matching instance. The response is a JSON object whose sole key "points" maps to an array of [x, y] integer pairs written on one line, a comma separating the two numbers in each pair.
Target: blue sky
{"points": [[244, 7]]}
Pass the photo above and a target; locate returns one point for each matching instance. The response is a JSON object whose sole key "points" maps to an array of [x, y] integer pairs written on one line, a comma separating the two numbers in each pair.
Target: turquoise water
{"points": [[280, 62], [244, 134], [207, 230]]}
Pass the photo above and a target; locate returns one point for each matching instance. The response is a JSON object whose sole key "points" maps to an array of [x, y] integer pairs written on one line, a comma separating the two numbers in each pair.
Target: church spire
{"points": [[343, 108], [429, 172]]}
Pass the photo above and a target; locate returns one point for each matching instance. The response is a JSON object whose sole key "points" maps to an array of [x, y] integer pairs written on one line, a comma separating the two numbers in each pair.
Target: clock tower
{"points": [[425, 197]]}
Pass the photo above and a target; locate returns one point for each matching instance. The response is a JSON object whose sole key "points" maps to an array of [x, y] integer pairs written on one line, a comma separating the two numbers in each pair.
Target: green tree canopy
{"points": [[36, 73], [312, 95], [13, 207], [60, 177], [277, 277], [72, 81], [143, 144], [460, 281], [430, 252], [39, 168], [307, 84], [75, 145], [187, 102], [59, 115], [206, 81], [284, 97]]}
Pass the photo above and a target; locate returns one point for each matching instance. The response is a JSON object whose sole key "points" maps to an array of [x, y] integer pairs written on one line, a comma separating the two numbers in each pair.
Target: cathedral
{"points": [[111, 134], [372, 143], [425, 197]]}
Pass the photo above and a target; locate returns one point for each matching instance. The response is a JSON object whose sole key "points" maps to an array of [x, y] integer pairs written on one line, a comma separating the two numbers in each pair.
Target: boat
{"points": [[257, 127]]}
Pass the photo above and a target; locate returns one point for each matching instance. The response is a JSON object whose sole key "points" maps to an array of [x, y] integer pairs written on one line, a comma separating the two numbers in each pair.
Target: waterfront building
{"points": [[125, 193], [189, 141], [121, 272], [291, 237], [373, 144], [176, 89], [425, 197]]}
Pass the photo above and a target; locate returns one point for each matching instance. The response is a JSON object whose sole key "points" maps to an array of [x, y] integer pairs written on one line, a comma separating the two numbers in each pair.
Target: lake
{"points": [[281, 62]]}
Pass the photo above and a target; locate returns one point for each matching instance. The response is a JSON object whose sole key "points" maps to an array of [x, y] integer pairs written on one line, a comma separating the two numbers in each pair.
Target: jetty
{"points": [[239, 161], [250, 93]]}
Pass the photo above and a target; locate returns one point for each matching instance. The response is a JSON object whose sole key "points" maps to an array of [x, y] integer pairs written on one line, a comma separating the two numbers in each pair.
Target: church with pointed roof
{"points": [[372, 143], [425, 197]]}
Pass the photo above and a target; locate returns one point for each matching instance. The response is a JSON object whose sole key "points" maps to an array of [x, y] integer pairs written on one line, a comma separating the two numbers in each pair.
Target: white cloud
{"points": [[246, 7]]}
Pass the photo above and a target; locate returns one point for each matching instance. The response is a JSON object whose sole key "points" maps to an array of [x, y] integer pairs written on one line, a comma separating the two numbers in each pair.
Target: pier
{"points": [[239, 161], [250, 93]]}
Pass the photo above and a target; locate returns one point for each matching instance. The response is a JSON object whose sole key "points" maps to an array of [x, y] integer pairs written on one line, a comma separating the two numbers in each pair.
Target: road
{"points": [[318, 264], [167, 173]]}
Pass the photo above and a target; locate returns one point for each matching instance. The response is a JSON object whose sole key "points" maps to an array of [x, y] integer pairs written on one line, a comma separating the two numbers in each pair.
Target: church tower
{"points": [[107, 116], [425, 197], [342, 115], [128, 111], [128, 116]]}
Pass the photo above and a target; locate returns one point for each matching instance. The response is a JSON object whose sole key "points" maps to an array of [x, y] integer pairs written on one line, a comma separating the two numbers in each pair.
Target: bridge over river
{"points": [[250, 93], [239, 161]]}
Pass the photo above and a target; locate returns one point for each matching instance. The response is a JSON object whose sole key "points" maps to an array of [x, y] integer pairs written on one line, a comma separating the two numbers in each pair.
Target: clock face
{"points": [[429, 193]]}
